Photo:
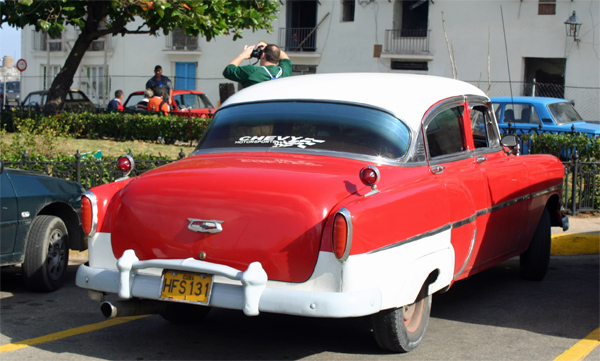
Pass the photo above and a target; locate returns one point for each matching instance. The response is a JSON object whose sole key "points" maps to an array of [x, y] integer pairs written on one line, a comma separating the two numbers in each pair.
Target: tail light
{"points": [[341, 238], [89, 213], [370, 176], [125, 164]]}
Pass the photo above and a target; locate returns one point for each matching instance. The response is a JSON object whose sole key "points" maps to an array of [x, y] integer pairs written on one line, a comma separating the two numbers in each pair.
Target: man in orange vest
{"points": [[157, 103]]}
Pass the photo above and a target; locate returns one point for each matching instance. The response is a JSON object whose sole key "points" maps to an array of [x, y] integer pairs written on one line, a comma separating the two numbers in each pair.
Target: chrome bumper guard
{"points": [[249, 297]]}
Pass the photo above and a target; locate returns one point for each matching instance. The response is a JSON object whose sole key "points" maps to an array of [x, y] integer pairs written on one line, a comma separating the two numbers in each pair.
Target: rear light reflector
{"points": [[125, 163], [86, 215], [341, 238], [89, 213]]}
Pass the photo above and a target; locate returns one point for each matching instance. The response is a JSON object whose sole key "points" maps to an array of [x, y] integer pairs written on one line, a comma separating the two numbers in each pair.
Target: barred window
{"points": [[547, 7]]}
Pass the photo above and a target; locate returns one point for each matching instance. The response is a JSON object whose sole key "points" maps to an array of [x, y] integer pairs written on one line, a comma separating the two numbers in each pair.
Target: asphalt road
{"points": [[491, 316]]}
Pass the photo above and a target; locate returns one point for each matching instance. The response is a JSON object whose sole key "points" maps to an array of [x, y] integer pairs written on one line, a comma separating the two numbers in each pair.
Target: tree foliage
{"points": [[96, 18]]}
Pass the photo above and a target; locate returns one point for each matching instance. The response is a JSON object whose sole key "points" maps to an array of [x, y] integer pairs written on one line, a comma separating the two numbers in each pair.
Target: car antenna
{"points": [[507, 62]]}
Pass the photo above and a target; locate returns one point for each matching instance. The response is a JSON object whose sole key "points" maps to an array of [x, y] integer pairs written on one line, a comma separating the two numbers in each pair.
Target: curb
{"points": [[575, 244]]}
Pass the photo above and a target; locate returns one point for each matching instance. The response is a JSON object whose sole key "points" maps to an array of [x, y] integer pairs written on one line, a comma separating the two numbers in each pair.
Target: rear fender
{"points": [[434, 270], [106, 201]]}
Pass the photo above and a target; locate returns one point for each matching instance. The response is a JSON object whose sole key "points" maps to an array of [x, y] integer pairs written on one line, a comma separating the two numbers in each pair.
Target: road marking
{"points": [[582, 348], [67, 333]]}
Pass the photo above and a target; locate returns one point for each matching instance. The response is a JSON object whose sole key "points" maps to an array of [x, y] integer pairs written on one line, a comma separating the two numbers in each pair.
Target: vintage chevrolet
{"points": [[308, 197]]}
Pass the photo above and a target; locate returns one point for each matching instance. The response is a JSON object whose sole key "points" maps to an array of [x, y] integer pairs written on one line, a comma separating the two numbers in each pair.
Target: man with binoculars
{"points": [[274, 64]]}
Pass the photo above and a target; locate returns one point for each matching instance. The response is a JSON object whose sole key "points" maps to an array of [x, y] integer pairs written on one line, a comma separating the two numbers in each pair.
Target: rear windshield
{"points": [[308, 126]]}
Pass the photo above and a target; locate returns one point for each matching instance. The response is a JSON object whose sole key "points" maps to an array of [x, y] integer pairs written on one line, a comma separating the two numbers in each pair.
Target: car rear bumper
{"points": [[249, 292]]}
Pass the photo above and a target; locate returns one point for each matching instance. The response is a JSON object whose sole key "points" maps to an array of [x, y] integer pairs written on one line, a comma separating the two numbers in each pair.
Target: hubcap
{"points": [[56, 255]]}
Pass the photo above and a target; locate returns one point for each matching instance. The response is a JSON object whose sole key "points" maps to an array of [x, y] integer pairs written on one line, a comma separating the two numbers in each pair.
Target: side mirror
{"points": [[511, 141]]}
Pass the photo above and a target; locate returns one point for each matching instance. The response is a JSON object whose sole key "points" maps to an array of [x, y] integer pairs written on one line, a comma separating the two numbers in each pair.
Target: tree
{"points": [[207, 18]]}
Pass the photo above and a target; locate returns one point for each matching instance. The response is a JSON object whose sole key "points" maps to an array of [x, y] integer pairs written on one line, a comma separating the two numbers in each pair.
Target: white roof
{"points": [[407, 96]]}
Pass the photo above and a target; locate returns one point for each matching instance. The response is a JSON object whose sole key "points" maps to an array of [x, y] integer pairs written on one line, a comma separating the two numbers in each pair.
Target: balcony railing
{"points": [[177, 40], [407, 41], [298, 39], [101, 44]]}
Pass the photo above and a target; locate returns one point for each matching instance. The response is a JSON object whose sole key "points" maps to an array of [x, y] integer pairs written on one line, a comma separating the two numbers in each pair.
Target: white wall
{"points": [[348, 46]]}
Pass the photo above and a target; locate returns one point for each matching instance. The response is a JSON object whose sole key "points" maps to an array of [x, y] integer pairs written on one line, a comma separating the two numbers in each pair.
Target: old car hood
{"points": [[271, 208]]}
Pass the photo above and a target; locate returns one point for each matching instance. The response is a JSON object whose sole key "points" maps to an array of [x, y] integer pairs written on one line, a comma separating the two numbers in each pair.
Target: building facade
{"points": [[518, 47]]}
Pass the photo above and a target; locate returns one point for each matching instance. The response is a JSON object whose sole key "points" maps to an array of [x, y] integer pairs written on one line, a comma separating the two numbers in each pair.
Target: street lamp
{"points": [[573, 26]]}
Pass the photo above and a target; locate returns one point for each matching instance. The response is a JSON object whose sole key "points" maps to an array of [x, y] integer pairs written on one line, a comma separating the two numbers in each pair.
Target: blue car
{"points": [[553, 114], [40, 221]]}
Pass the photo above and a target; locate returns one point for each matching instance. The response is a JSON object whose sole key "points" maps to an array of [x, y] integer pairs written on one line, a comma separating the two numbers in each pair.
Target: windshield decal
{"points": [[279, 141]]}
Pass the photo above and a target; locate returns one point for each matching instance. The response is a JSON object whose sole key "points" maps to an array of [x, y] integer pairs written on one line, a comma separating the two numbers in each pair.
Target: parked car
{"points": [[531, 113], [306, 197], [12, 93], [183, 102], [40, 222], [76, 100]]}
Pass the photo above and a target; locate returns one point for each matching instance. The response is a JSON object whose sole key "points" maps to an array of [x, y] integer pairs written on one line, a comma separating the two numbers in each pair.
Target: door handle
{"points": [[437, 169], [481, 159]]}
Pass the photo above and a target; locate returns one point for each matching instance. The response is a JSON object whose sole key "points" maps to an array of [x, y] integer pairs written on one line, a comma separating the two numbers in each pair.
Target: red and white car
{"points": [[334, 195]]}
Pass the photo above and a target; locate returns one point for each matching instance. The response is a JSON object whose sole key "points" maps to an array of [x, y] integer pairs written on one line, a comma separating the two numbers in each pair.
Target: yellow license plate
{"points": [[190, 287]]}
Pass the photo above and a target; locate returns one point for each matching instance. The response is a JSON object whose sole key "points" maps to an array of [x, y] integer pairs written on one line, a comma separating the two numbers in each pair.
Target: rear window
{"points": [[308, 126]]}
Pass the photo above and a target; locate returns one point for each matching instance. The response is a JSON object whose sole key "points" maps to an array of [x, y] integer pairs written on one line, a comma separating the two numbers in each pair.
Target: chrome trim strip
{"points": [[94, 201], [412, 239], [510, 202], [346, 214], [466, 221], [551, 189], [471, 247]]}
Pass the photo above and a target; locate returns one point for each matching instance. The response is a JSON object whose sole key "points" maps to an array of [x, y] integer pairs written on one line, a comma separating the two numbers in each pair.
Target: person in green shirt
{"points": [[274, 64]]}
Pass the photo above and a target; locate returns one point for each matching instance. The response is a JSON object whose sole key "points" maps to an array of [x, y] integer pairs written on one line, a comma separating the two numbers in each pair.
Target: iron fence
{"points": [[581, 191], [89, 173]]}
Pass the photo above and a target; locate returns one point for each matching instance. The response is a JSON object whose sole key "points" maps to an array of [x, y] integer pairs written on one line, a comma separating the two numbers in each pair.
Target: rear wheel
{"points": [[46, 254], [534, 262], [402, 329], [183, 313]]}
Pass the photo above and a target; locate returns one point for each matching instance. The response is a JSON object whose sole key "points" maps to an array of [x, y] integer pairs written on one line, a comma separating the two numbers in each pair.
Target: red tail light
{"points": [[86, 215], [125, 163], [341, 238], [89, 213]]}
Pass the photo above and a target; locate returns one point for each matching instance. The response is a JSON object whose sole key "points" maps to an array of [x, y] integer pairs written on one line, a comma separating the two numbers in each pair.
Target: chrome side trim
{"points": [[510, 202], [471, 247], [412, 239], [467, 220], [551, 189]]}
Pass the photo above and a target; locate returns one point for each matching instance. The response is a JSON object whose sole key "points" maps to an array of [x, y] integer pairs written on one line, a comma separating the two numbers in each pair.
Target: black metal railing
{"points": [[581, 191], [406, 41], [581, 183], [298, 39], [87, 172]]}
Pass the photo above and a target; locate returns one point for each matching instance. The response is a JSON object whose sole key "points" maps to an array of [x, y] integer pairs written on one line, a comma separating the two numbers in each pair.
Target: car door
{"points": [[9, 214], [452, 164], [505, 219]]}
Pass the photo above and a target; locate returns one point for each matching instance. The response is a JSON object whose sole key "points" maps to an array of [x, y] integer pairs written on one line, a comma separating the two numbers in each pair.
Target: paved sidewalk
{"points": [[582, 237]]}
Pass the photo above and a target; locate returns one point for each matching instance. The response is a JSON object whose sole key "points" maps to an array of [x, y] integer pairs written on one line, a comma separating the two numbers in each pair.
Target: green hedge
{"points": [[116, 125], [562, 145]]}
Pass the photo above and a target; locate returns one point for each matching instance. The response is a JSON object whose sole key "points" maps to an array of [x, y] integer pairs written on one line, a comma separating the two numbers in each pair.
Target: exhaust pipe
{"points": [[130, 308]]}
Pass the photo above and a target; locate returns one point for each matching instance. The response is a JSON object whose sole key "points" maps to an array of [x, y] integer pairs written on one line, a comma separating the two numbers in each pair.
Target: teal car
{"points": [[540, 113], [40, 221]]}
